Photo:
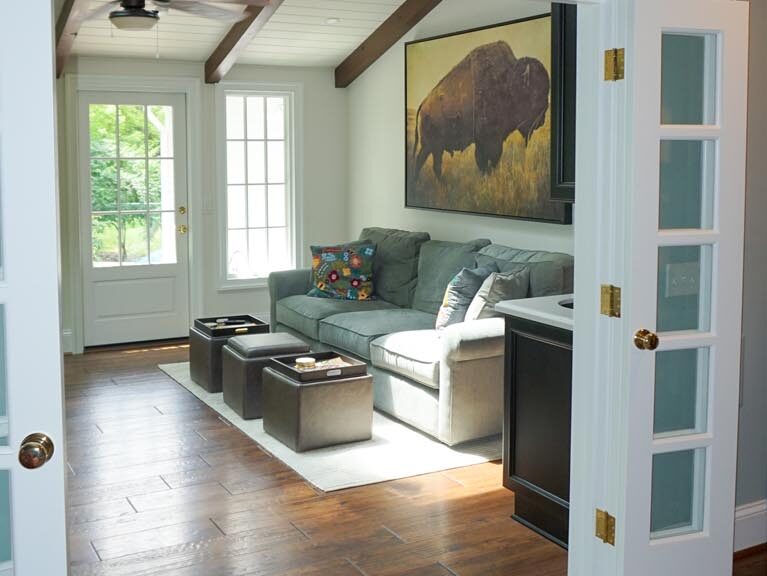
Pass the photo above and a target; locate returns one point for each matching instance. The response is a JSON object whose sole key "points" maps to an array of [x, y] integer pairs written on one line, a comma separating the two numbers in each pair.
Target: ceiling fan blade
{"points": [[103, 10], [204, 10], [244, 2]]}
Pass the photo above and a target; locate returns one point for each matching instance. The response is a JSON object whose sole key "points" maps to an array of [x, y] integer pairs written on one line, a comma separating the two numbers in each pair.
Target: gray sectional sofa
{"points": [[447, 383]]}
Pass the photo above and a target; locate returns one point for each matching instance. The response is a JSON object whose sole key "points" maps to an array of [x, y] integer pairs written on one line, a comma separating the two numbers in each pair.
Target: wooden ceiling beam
{"points": [[73, 14], [237, 39], [410, 13]]}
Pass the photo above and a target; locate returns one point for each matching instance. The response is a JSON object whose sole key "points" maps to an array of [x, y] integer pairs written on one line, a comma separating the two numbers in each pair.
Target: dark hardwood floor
{"points": [[160, 485]]}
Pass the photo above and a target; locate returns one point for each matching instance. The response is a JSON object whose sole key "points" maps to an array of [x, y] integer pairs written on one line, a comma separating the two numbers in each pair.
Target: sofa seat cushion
{"points": [[303, 313], [354, 331], [414, 354]]}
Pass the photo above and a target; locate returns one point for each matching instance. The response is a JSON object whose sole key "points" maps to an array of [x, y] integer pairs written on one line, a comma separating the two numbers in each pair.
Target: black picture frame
{"points": [[566, 218], [564, 43]]}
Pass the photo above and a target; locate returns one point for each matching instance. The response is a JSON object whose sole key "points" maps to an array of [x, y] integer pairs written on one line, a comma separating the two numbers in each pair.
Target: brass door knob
{"points": [[182, 210], [182, 229], [646, 340], [36, 450]]}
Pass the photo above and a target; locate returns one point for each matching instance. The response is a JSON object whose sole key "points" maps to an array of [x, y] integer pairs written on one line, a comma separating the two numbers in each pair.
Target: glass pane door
{"points": [[684, 290], [132, 185], [688, 169]]}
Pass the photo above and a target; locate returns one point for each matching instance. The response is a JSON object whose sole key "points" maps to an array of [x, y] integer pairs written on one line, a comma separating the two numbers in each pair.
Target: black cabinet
{"points": [[536, 435]]}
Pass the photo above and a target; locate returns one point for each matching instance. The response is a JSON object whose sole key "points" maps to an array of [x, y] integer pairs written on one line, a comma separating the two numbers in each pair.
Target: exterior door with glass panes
{"points": [[32, 443], [134, 217], [687, 72]]}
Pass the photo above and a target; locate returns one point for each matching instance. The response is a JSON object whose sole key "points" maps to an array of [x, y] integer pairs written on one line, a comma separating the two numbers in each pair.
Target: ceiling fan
{"points": [[133, 14]]}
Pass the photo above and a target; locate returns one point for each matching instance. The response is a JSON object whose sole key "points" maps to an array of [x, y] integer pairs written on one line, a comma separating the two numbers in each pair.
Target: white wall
{"points": [[324, 172], [377, 142]]}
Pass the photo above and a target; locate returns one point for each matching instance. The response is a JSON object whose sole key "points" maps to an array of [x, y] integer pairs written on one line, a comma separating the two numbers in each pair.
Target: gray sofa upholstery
{"points": [[447, 383]]}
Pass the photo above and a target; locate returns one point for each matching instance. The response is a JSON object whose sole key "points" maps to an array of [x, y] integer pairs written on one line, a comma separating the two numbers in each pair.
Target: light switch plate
{"points": [[682, 279]]}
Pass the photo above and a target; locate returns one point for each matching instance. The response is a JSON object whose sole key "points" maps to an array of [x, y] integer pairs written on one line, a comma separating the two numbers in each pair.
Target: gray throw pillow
{"points": [[459, 294], [499, 286]]}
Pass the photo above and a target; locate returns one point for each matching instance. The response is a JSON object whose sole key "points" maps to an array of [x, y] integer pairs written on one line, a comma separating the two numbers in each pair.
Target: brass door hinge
{"points": [[611, 301], [615, 64], [605, 529]]}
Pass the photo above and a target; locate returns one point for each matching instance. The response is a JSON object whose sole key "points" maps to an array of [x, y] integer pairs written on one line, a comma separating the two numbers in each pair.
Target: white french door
{"points": [[132, 150], [668, 369], [32, 511]]}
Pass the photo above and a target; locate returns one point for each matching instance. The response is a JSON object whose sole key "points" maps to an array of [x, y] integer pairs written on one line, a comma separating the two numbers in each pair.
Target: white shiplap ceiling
{"points": [[298, 34]]}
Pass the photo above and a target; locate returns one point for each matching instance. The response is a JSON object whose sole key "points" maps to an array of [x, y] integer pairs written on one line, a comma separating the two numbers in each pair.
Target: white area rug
{"points": [[395, 451]]}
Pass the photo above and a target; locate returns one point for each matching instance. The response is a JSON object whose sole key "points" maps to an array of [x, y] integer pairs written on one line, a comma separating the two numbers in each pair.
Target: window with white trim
{"points": [[259, 184]]}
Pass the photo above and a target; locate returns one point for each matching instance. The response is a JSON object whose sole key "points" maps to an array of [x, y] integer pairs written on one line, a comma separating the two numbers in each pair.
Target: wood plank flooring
{"points": [[159, 484]]}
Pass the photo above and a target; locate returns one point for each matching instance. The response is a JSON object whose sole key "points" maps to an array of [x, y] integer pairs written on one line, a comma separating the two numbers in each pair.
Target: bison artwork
{"points": [[478, 123], [481, 101]]}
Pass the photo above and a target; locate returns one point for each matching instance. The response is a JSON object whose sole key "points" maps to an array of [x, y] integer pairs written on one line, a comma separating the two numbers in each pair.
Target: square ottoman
{"points": [[243, 359], [206, 339], [316, 414]]}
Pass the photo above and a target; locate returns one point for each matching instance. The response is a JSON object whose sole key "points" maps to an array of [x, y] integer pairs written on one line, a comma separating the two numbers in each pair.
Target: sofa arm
{"points": [[473, 340], [284, 284]]}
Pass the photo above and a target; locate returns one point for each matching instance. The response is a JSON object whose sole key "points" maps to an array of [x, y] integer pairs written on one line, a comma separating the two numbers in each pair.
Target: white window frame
{"points": [[293, 186]]}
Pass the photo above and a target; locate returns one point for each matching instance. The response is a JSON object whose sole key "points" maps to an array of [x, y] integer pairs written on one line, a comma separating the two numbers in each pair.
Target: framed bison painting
{"points": [[478, 122]]}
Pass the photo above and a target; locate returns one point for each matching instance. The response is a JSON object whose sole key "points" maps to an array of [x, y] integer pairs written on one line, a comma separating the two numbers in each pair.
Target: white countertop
{"points": [[545, 310]]}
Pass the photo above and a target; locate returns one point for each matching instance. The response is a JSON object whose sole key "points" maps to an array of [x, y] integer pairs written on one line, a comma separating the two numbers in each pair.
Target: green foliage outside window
{"points": [[125, 146]]}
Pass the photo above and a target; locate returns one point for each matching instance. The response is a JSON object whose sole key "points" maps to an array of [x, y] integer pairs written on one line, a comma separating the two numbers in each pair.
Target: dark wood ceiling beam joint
{"points": [[237, 40], [73, 14], [410, 13]]}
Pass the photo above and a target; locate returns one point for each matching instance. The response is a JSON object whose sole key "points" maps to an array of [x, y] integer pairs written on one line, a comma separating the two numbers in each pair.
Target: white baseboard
{"points": [[750, 525], [67, 342]]}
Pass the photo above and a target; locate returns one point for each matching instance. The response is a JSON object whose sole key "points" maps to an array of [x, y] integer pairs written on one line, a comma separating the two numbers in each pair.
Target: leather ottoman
{"points": [[206, 339], [243, 359], [309, 415]]}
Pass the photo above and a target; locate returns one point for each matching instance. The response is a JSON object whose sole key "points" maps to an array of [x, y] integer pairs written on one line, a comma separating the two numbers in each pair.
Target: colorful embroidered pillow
{"points": [[344, 272]]}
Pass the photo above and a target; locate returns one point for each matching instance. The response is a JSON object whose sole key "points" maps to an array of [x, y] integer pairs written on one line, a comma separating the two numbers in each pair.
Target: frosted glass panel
{"points": [[687, 171], [681, 392], [688, 93], [5, 517], [3, 387], [684, 288], [677, 493]]}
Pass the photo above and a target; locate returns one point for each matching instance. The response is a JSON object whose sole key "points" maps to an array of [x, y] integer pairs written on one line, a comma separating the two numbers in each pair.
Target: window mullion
{"points": [[247, 178], [118, 192], [266, 179], [146, 186]]}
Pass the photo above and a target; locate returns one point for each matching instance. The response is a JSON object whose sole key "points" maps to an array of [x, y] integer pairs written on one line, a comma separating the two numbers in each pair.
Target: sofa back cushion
{"points": [[395, 267], [550, 272], [440, 261]]}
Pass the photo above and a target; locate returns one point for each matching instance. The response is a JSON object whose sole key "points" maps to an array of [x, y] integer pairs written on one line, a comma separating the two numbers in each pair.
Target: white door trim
{"points": [[192, 90]]}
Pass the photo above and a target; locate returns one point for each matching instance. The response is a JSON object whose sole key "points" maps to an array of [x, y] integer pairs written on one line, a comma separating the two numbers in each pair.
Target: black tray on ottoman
{"points": [[207, 337]]}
